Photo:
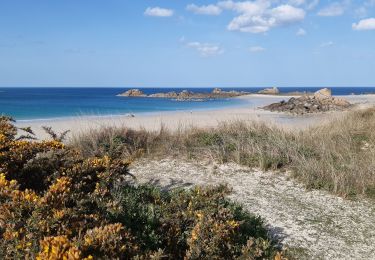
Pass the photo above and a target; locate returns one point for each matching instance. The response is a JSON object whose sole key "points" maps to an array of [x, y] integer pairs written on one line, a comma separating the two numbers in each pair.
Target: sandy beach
{"points": [[187, 119]]}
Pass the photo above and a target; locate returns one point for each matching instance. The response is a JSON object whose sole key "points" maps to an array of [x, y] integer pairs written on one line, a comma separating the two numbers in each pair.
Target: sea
{"points": [[43, 103]]}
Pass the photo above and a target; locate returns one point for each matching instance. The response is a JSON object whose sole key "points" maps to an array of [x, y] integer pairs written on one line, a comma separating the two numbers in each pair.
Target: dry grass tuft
{"points": [[338, 156]]}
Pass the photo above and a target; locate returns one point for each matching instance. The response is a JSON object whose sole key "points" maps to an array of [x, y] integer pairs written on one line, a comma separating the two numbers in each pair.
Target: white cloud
{"points": [[256, 49], [158, 12], [258, 16], [285, 14], [248, 23], [249, 7], [301, 32], [204, 9], [206, 49], [334, 9], [365, 24], [326, 44]]}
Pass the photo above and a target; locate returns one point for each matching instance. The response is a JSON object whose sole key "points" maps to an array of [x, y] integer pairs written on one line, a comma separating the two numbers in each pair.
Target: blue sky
{"points": [[170, 43]]}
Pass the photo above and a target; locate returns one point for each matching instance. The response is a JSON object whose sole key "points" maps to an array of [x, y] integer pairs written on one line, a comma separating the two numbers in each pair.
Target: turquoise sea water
{"points": [[47, 103]]}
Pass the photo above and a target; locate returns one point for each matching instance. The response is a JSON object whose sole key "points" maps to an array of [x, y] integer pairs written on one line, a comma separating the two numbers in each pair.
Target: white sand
{"points": [[319, 224], [186, 119]]}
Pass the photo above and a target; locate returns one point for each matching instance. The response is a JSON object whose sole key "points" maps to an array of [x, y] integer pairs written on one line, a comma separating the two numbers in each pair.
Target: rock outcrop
{"points": [[217, 91], [171, 94], [323, 94], [186, 95], [321, 101], [133, 93], [269, 91]]}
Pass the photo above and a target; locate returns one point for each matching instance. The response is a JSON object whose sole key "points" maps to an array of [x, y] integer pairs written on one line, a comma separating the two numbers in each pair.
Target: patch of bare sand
{"points": [[318, 224]]}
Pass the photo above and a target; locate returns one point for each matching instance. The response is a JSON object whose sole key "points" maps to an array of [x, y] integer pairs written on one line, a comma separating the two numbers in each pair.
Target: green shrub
{"points": [[56, 203]]}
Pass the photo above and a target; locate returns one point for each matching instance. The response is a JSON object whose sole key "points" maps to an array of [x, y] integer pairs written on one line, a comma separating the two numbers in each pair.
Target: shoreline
{"points": [[247, 97], [178, 120], [244, 98]]}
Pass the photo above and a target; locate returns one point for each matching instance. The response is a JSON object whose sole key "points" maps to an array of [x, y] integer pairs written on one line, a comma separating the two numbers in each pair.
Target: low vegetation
{"points": [[59, 202], [338, 156]]}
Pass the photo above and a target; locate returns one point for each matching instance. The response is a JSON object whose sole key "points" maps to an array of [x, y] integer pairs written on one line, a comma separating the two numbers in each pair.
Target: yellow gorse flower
{"points": [[233, 223], [25, 196], [59, 247], [3, 138], [61, 185], [58, 214], [3, 181], [99, 162]]}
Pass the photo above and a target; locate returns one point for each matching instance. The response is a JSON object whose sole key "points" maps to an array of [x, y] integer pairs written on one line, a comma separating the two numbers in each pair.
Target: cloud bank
{"points": [[259, 16]]}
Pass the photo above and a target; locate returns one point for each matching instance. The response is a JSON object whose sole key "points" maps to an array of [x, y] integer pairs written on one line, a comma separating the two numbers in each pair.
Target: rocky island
{"points": [[321, 101], [269, 91], [186, 95], [133, 93]]}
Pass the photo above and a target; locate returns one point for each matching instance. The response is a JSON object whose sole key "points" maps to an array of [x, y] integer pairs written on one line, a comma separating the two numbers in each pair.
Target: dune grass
{"points": [[338, 156]]}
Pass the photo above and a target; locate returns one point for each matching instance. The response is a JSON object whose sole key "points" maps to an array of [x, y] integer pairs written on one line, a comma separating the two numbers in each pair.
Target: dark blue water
{"points": [[45, 103]]}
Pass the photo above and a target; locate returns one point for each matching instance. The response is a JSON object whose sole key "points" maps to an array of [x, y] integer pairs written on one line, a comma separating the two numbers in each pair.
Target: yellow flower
{"points": [[30, 196], [88, 241], [199, 215], [61, 185], [3, 138], [233, 223], [58, 214], [58, 248], [194, 235], [3, 181]]}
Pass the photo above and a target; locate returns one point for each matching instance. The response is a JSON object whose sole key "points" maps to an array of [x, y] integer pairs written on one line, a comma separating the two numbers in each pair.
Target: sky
{"points": [[176, 43]]}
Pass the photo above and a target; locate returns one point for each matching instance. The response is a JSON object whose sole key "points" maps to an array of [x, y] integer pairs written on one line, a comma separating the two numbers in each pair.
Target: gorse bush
{"points": [[57, 203]]}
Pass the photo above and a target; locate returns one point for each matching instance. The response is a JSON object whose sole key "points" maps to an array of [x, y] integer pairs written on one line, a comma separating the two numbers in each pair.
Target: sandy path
{"points": [[320, 225]]}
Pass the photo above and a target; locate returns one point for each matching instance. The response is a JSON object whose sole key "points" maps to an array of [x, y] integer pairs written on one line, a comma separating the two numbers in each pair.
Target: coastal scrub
{"points": [[56, 203]]}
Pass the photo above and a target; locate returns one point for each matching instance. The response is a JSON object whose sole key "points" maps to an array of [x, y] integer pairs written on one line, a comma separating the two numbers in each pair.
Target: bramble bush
{"points": [[56, 203]]}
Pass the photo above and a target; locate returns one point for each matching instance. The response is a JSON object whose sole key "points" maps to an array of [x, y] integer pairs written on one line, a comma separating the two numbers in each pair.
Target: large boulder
{"points": [[133, 93], [217, 91], [341, 102], [185, 94], [269, 91], [323, 93]]}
